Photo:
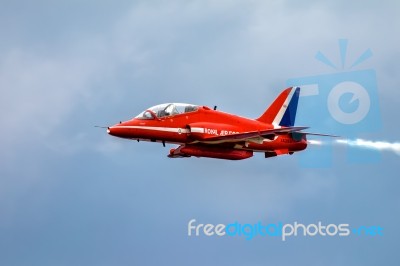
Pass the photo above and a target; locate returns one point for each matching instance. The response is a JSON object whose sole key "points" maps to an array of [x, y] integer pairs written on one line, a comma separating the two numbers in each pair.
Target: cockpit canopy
{"points": [[167, 109]]}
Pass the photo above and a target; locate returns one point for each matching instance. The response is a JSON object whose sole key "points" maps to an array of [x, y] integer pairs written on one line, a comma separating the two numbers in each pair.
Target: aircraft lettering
{"points": [[211, 131], [226, 132], [287, 141]]}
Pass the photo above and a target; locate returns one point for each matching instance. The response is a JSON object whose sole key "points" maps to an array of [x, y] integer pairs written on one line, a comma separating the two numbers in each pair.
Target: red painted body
{"points": [[203, 132]]}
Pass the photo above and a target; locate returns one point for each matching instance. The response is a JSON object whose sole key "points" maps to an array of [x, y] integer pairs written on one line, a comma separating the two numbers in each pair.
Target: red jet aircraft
{"points": [[204, 132]]}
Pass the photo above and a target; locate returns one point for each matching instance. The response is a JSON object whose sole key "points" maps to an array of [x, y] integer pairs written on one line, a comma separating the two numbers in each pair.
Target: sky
{"points": [[72, 195]]}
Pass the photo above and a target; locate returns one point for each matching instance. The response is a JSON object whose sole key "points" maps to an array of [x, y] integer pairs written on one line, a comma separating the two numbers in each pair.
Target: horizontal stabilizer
{"points": [[319, 134]]}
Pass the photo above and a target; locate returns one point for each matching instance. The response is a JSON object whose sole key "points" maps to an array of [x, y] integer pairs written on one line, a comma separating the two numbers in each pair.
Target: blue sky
{"points": [[72, 195]]}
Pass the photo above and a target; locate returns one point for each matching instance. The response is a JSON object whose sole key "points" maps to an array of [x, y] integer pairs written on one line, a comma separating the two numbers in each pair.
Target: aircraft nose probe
{"points": [[108, 128]]}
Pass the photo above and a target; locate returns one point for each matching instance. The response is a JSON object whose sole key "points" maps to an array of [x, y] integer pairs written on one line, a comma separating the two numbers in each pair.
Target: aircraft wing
{"points": [[254, 136]]}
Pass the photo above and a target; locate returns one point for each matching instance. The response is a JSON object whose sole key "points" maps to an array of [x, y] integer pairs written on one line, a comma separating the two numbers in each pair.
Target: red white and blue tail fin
{"points": [[282, 111]]}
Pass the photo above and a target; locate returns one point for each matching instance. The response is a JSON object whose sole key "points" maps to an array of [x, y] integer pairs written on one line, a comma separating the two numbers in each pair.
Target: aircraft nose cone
{"points": [[115, 131], [112, 131], [120, 131]]}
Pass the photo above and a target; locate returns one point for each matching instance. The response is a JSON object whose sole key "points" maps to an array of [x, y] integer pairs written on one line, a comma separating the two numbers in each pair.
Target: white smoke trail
{"points": [[375, 145], [362, 143], [314, 142]]}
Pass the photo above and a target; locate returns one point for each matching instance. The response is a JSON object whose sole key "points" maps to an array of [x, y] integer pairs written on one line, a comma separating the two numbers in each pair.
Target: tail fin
{"points": [[282, 111]]}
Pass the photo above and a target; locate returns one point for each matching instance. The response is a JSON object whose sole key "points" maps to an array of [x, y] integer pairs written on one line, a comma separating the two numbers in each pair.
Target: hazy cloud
{"points": [[70, 194]]}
